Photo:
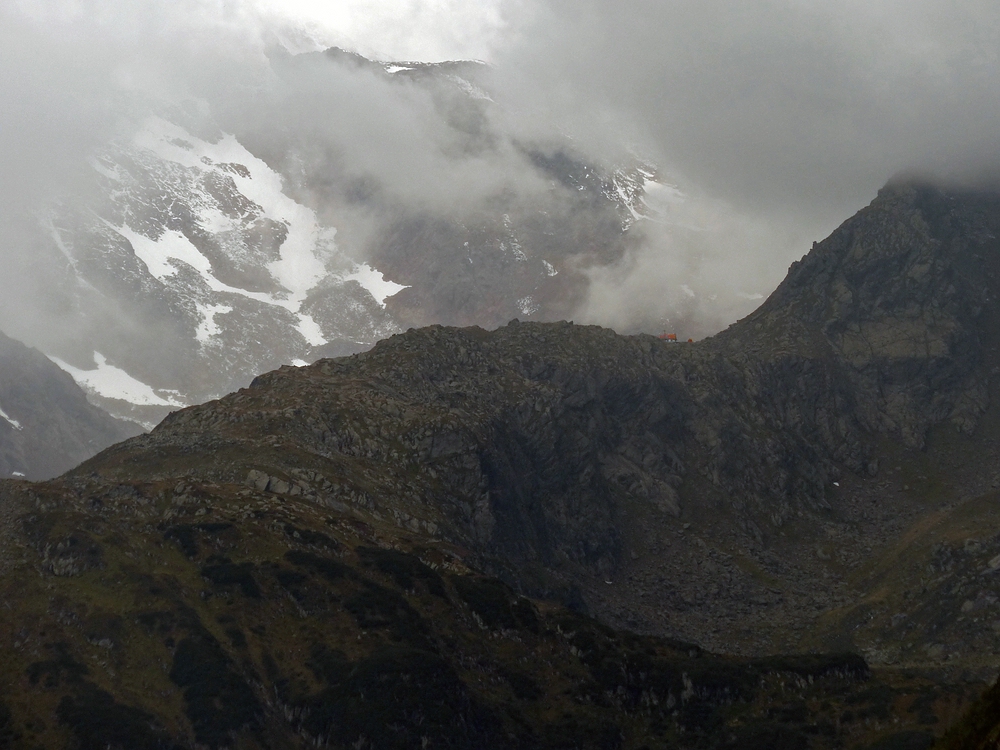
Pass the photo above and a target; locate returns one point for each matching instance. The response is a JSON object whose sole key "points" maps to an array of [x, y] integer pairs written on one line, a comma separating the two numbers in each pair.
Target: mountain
{"points": [[190, 257], [728, 489], [46, 423], [406, 546]]}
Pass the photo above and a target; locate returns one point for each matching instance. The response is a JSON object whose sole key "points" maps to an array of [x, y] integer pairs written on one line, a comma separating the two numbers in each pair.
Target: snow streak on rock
{"points": [[298, 268], [375, 283], [13, 422], [112, 382]]}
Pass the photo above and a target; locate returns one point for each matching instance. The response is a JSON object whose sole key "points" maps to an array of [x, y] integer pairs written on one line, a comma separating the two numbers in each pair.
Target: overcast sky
{"points": [[776, 118]]}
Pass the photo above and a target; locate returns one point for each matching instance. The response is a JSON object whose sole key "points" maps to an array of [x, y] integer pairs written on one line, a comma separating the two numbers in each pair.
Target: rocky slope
{"points": [[724, 491], [155, 614], [46, 424]]}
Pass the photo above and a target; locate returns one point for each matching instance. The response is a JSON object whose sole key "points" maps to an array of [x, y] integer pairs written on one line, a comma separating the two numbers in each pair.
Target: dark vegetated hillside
{"points": [[155, 615]]}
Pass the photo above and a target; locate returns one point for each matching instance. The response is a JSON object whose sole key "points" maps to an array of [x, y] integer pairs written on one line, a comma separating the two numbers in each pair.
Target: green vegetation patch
{"points": [[186, 535], [95, 718], [8, 735], [579, 732], [98, 722], [331, 570], [60, 666], [769, 736], [910, 740], [399, 697], [376, 607], [312, 538], [847, 665]]}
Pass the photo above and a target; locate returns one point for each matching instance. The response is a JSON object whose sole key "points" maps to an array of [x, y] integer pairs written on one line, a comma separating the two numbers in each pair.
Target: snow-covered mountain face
{"points": [[213, 274], [199, 258]]}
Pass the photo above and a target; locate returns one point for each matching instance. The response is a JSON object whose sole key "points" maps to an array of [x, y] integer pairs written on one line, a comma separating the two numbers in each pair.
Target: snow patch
{"points": [[390, 69], [17, 474], [377, 285], [298, 269], [161, 257], [549, 268], [627, 199], [208, 327], [10, 420], [112, 382], [310, 330], [527, 305], [157, 255], [660, 197]]}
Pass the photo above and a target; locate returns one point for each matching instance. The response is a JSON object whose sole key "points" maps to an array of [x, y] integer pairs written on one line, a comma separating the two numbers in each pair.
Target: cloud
{"points": [[777, 119], [81, 73], [424, 30], [425, 146], [782, 117], [775, 104], [84, 71]]}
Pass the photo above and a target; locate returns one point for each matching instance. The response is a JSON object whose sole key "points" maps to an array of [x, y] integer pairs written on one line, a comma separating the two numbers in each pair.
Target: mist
{"points": [[769, 122], [778, 119]]}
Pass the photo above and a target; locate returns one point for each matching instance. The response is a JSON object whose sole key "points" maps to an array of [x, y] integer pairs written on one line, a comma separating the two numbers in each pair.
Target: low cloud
{"points": [[778, 119], [778, 105]]}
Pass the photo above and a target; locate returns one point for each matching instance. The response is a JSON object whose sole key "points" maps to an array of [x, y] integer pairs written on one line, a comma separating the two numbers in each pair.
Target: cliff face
{"points": [[46, 424]]}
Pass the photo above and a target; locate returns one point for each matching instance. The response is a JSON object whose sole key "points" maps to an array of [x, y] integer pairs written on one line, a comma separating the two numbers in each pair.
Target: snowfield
{"points": [[112, 382]]}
